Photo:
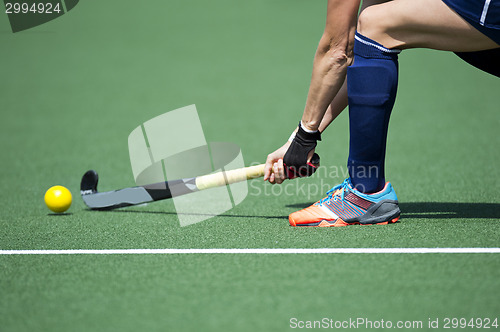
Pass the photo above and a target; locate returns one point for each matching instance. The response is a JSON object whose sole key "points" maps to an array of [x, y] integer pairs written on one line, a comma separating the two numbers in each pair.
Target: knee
{"points": [[371, 23], [377, 24]]}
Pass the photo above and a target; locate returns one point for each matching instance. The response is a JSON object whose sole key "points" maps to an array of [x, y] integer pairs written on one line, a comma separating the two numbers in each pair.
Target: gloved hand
{"points": [[295, 159]]}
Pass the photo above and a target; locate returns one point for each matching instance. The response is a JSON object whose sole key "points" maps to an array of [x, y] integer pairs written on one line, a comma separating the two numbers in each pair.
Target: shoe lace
{"points": [[334, 191]]}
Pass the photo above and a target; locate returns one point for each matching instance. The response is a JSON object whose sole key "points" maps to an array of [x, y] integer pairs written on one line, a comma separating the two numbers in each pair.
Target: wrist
{"points": [[309, 127], [308, 135], [304, 132]]}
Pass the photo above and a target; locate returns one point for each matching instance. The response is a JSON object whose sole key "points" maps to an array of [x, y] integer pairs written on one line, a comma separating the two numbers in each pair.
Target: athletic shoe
{"points": [[344, 205]]}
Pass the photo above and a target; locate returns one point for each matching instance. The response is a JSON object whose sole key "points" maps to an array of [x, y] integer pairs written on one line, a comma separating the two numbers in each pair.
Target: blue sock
{"points": [[371, 86]]}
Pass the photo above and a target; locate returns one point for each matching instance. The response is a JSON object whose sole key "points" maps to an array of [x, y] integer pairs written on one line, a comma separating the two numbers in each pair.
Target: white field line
{"points": [[256, 251]]}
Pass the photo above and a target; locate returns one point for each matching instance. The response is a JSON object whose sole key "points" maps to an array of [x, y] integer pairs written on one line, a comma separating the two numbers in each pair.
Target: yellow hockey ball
{"points": [[58, 199]]}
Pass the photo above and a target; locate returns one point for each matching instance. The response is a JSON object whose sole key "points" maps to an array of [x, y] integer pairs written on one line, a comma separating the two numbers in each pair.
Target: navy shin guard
{"points": [[371, 86]]}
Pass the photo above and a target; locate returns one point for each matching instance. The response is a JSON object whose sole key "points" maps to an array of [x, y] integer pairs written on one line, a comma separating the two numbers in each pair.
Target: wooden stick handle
{"points": [[232, 176]]}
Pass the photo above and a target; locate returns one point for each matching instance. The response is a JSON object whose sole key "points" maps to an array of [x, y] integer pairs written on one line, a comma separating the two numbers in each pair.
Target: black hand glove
{"points": [[295, 160]]}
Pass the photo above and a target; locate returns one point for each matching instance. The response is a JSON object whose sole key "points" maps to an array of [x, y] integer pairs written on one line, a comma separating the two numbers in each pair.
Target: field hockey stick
{"points": [[159, 191], [163, 190]]}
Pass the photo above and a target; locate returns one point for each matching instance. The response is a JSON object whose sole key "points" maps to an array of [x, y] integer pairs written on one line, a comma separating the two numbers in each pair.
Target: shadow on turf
{"points": [[440, 210], [428, 210], [199, 214]]}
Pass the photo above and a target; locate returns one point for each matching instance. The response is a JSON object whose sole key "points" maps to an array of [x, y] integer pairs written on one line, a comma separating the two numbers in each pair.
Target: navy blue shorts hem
{"points": [[493, 34], [472, 10]]}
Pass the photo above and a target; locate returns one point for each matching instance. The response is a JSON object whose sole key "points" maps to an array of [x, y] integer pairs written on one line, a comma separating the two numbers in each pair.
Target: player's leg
{"points": [[367, 86], [372, 79], [404, 24], [372, 82], [340, 102], [371, 87], [470, 28]]}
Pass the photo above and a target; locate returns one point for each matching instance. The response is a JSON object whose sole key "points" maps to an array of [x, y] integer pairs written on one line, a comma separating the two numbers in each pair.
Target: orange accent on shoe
{"points": [[339, 223], [378, 223], [384, 222], [324, 223], [395, 219], [309, 215]]}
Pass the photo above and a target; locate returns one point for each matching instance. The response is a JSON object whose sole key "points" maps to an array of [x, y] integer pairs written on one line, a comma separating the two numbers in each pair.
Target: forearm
{"points": [[336, 107], [329, 73], [333, 56]]}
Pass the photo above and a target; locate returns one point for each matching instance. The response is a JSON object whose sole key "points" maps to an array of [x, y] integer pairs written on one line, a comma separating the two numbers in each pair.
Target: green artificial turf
{"points": [[74, 88], [240, 292]]}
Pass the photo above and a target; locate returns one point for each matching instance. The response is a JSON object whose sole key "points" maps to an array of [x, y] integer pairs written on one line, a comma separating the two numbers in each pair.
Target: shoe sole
{"points": [[340, 223]]}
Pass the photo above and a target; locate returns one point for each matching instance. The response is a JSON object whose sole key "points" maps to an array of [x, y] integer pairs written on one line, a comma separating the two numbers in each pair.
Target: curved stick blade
{"points": [[89, 183]]}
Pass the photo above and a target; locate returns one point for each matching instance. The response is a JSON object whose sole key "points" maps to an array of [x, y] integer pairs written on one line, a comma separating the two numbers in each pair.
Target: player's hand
{"points": [[300, 159], [274, 171]]}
